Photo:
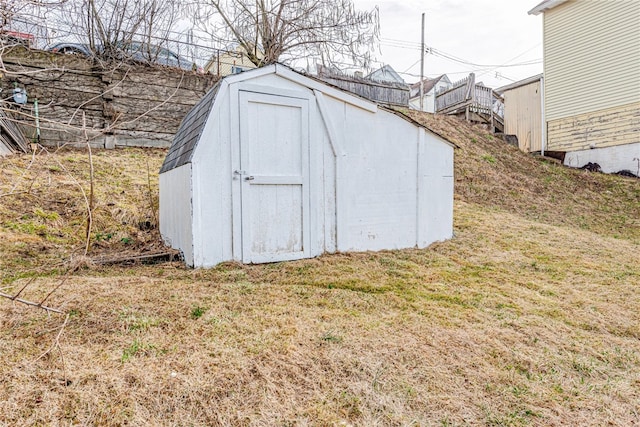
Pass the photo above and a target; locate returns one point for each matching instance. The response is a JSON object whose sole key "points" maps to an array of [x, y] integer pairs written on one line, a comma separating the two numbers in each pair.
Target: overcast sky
{"points": [[487, 33]]}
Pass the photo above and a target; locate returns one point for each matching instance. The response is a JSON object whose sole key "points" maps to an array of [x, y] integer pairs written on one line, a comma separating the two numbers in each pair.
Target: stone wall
{"points": [[112, 104]]}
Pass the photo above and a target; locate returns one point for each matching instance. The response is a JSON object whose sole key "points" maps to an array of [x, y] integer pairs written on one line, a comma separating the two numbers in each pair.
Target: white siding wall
{"points": [[175, 210], [212, 188], [429, 104], [395, 195], [435, 191], [592, 56], [380, 179], [327, 197]]}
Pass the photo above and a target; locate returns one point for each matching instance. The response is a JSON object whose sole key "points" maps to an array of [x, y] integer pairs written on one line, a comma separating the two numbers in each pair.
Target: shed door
{"points": [[274, 158]]}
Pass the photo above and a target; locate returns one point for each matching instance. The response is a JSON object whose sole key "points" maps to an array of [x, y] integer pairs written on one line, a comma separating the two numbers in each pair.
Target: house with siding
{"points": [[429, 89], [589, 121], [523, 113], [225, 63]]}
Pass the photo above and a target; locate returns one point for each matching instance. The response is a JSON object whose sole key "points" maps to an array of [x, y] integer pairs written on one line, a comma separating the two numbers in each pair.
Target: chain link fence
{"points": [[187, 48]]}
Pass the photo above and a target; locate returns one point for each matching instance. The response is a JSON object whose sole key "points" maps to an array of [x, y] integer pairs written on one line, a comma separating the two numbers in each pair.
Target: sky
{"points": [[493, 38]]}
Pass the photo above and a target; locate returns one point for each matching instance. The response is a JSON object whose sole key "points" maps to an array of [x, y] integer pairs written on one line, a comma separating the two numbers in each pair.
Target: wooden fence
{"points": [[465, 96], [383, 92]]}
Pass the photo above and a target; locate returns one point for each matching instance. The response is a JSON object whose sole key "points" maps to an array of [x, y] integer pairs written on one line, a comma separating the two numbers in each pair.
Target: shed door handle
{"points": [[249, 178]]}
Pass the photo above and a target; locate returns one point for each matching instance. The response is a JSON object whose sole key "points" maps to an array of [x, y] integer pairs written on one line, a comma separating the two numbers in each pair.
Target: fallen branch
{"points": [[157, 257], [64, 279], [34, 304], [24, 287], [56, 344]]}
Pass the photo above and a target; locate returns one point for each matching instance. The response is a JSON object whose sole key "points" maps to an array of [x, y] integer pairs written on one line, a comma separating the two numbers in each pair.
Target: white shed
{"points": [[272, 165]]}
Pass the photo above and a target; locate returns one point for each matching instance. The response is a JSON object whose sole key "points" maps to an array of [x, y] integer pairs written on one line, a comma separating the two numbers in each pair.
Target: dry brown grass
{"points": [[494, 174], [523, 319], [43, 214]]}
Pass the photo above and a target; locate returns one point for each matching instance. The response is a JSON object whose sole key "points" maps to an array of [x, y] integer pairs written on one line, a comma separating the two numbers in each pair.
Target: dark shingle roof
{"points": [[427, 85], [189, 132]]}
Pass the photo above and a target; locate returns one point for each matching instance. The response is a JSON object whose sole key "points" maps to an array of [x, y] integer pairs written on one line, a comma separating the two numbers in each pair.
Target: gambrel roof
{"points": [[192, 126]]}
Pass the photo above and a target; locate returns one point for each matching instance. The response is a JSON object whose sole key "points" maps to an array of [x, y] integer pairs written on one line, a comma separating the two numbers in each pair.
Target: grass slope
{"points": [[494, 174], [530, 316]]}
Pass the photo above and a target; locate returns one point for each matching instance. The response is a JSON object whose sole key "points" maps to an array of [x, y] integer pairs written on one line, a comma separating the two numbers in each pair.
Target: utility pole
{"points": [[422, 67]]}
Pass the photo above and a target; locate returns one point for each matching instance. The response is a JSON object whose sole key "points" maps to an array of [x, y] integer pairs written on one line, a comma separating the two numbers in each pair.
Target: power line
{"points": [[411, 66], [406, 42], [450, 57], [400, 46], [484, 68], [518, 56]]}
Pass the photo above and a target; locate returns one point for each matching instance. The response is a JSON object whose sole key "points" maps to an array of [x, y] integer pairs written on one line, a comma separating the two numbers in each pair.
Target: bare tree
{"points": [[17, 17], [160, 18], [109, 23], [285, 30], [113, 27], [12, 8]]}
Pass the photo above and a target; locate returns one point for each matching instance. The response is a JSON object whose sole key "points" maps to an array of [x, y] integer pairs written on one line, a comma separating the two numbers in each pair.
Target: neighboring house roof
{"points": [[519, 83], [546, 5], [427, 85], [386, 74], [189, 132], [191, 127]]}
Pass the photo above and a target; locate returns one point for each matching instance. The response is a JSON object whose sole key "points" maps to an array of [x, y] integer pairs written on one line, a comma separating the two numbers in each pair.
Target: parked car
{"points": [[149, 53], [134, 51], [71, 48]]}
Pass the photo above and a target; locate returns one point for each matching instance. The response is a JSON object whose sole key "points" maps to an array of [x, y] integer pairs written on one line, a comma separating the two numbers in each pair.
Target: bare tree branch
{"points": [[34, 304], [285, 30]]}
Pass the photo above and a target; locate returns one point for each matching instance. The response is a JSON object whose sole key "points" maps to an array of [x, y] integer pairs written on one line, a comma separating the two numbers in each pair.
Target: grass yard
{"points": [[530, 316]]}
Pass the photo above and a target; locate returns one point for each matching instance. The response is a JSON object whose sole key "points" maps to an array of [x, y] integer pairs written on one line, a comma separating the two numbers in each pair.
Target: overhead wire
{"points": [[514, 58], [470, 66]]}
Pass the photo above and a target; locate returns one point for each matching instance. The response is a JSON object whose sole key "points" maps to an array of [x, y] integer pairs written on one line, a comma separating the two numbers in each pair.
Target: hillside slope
{"points": [[44, 204], [529, 316], [492, 173]]}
